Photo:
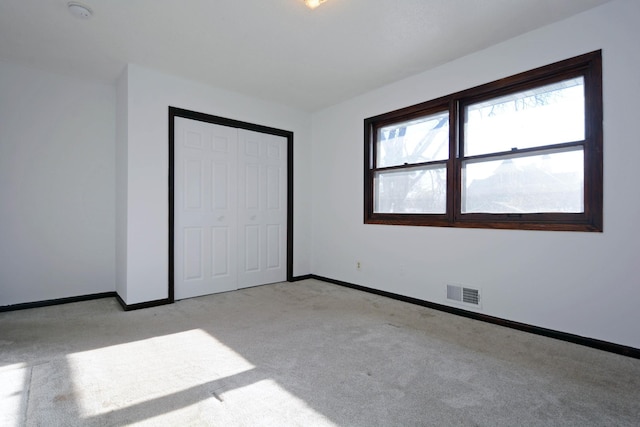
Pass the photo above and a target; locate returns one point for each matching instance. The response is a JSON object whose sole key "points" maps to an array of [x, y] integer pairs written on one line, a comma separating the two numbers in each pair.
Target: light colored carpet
{"points": [[299, 354]]}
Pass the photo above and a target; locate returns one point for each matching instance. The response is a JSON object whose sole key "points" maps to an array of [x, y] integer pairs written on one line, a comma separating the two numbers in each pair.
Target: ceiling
{"points": [[277, 50]]}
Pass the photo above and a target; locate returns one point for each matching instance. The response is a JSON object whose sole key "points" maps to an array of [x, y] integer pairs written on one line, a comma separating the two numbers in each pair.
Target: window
{"points": [[524, 152]]}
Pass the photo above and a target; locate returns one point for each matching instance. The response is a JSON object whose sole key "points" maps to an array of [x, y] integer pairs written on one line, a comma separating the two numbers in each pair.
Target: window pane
{"points": [[423, 140], [534, 184], [418, 190], [550, 114]]}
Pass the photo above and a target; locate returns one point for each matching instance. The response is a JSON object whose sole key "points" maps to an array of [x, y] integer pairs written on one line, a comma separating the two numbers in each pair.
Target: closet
{"points": [[230, 212]]}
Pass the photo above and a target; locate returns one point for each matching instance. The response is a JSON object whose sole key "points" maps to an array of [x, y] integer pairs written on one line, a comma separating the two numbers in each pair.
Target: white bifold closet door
{"points": [[230, 208]]}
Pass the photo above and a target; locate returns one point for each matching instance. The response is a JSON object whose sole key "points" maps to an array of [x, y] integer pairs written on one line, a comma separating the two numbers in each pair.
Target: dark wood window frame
{"points": [[588, 66]]}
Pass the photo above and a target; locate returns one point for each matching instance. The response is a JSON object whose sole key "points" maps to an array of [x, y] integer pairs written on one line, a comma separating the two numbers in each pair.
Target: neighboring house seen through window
{"points": [[524, 152]]}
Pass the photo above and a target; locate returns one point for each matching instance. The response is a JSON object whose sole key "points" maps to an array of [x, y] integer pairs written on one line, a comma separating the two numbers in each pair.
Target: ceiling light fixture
{"points": [[79, 10], [312, 4]]}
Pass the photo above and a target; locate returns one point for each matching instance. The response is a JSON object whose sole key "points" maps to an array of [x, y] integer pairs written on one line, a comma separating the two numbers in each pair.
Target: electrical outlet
{"points": [[358, 266]]}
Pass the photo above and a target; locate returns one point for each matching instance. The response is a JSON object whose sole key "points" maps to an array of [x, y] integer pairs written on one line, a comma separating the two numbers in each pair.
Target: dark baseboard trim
{"points": [[576, 339], [299, 278], [58, 301], [141, 305]]}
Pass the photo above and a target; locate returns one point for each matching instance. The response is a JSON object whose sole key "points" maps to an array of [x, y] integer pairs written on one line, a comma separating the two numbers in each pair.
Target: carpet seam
{"points": [[27, 396]]}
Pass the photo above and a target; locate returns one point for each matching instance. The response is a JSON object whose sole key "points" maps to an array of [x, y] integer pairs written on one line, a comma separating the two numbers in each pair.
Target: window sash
{"points": [[536, 182], [416, 189], [415, 141], [526, 118]]}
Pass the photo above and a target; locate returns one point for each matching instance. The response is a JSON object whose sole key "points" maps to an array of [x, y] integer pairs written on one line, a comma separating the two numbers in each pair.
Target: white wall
{"points": [[56, 186], [582, 283], [122, 138], [149, 95]]}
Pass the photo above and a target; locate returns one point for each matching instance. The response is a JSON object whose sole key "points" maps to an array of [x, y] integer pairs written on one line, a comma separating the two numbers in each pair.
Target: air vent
{"points": [[470, 296], [454, 292], [463, 295]]}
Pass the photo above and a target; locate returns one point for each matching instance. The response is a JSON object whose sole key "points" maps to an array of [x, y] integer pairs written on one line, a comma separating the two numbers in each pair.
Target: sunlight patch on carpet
{"points": [[148, 375], [13, 389], [274, 404]]}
